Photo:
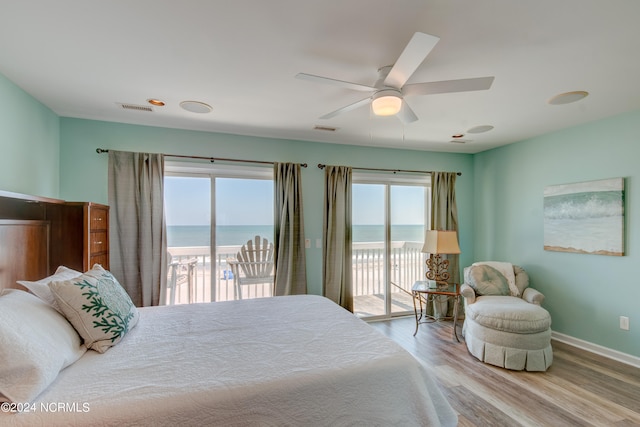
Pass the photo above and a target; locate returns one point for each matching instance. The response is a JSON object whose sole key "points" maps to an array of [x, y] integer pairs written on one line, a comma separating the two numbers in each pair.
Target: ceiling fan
{"points": [[390, 89]]}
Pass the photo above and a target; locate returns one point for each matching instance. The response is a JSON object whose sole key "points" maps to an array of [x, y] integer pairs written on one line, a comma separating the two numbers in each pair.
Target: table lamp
{"points": [[437, 242]]}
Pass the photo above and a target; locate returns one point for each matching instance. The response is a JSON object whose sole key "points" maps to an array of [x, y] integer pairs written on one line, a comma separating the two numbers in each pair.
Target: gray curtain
{"points": [[444, 216], [336, 242], [137, 226], [289, 257]]}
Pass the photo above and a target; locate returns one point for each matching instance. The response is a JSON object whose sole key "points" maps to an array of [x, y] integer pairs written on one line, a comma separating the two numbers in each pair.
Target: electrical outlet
{"points": [[624, 323]]}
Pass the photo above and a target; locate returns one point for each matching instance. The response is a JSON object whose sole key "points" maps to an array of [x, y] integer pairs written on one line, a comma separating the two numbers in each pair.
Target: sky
{"points": [[407, 204], [238, 201], [250, 202]]}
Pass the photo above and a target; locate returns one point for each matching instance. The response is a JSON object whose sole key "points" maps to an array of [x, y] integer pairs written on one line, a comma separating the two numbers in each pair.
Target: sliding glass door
{"points": [[369, 279], [244, 209], [407, 206], [210, 213], [188, 218], [389, 220]]}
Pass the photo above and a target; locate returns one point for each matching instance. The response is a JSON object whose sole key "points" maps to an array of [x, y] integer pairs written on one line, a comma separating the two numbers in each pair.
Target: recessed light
{"points": [[196, 107], [568, 97], [480, 129], [457, 135], [155, 102]]}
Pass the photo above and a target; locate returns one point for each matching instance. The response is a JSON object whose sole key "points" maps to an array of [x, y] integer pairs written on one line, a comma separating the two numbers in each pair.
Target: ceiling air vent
{"points": [[324, 128], [137, 107]]}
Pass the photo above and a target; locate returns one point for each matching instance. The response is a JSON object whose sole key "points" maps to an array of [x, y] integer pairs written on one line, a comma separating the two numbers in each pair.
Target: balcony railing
{"points": [[406, 261]]}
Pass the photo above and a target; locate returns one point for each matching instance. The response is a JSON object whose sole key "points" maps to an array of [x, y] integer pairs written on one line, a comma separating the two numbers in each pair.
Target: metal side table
{"points": [[423, 295]]}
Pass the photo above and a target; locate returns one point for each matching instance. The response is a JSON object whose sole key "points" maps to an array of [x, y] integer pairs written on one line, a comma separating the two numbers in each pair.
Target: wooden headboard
{"points": [[24, 251], [25, 237]]}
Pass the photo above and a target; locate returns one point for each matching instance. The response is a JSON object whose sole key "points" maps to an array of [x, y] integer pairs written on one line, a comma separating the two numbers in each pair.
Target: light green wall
{"points": [[500, 195], [585, 294], [83, 174], [29, 143]]}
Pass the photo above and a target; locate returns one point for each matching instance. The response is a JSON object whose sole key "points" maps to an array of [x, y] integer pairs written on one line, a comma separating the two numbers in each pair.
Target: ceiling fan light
{"points": [[386, 103]]}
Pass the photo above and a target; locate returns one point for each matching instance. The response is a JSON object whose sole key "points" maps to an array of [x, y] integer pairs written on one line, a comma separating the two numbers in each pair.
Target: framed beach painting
{"points": [[585, 217]]}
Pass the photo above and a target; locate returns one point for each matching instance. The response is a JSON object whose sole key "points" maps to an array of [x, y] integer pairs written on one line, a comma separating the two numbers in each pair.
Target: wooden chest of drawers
{"points": [[96, 235], [79, 235], [78, 232]]}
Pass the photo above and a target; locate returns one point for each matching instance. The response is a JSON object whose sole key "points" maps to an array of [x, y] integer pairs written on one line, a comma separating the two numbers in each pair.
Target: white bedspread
{"points": [[284, 361]]}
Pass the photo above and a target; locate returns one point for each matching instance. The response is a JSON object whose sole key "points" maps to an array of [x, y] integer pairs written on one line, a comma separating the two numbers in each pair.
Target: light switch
{"points": [[307, 243]]}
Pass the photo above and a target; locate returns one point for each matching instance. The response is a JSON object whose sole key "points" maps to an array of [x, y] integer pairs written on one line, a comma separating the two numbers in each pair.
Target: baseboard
{"points": [[597, 349]]}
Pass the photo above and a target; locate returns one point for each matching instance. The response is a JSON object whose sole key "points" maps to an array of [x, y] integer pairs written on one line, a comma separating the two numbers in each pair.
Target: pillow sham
{"points": [[41, 289], [36, 343], [506, 269], [97, 306], [486, 280]]}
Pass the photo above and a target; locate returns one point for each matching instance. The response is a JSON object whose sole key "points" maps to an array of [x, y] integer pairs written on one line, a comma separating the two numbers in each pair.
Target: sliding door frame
{"points": [[388, 181], [214, 172]]}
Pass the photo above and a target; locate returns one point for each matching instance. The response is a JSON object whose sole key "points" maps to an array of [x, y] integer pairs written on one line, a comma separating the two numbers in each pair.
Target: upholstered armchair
{"points": [[505, 324]]}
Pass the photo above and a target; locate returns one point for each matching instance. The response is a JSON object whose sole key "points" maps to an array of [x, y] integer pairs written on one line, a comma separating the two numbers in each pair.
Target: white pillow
{"points": [[36, 343], [97, 306], [41, 289]]}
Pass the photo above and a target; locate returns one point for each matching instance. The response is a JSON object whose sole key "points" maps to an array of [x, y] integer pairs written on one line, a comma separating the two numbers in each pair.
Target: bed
{"points": [[280, 361]]}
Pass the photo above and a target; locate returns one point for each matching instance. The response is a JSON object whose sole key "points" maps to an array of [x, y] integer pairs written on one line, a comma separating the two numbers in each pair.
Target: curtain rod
{"points": [[321, 166], [211, 159]]}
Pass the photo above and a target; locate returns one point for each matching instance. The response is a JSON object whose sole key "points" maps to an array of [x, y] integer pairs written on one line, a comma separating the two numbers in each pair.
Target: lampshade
{"points": [[386, 103], [441, 242]]}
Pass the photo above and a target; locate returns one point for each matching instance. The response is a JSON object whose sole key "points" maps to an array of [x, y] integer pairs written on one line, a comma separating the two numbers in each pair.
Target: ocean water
{"points": [[592, 204], [199, 235]]}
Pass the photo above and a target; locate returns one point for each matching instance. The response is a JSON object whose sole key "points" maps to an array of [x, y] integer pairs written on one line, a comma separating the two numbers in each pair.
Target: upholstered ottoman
{"points": [[512, 332]]}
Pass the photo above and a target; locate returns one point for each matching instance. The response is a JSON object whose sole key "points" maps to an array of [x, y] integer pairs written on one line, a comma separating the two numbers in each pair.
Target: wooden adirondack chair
{"points": [[253, 264]]}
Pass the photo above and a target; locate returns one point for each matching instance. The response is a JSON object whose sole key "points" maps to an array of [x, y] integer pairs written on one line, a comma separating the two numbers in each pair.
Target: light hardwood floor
{"points": [[579, 389]]}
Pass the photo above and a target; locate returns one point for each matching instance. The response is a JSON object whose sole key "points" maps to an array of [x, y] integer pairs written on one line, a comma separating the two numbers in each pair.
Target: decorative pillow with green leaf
{"points": [[97, 306]]}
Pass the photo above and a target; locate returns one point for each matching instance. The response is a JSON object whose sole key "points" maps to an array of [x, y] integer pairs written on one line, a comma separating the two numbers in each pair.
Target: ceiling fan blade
{"points": [[406, 114], [349, 107], [410, 59], [340, 83], [447, 86]]}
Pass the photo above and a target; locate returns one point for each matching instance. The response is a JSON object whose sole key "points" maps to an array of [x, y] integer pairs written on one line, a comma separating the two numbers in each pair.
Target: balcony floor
{"points": [[373, 305], [364, 305]]}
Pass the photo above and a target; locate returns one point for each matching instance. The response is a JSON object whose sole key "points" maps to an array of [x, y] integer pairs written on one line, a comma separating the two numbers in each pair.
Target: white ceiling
{"points": [[83, 58]]}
